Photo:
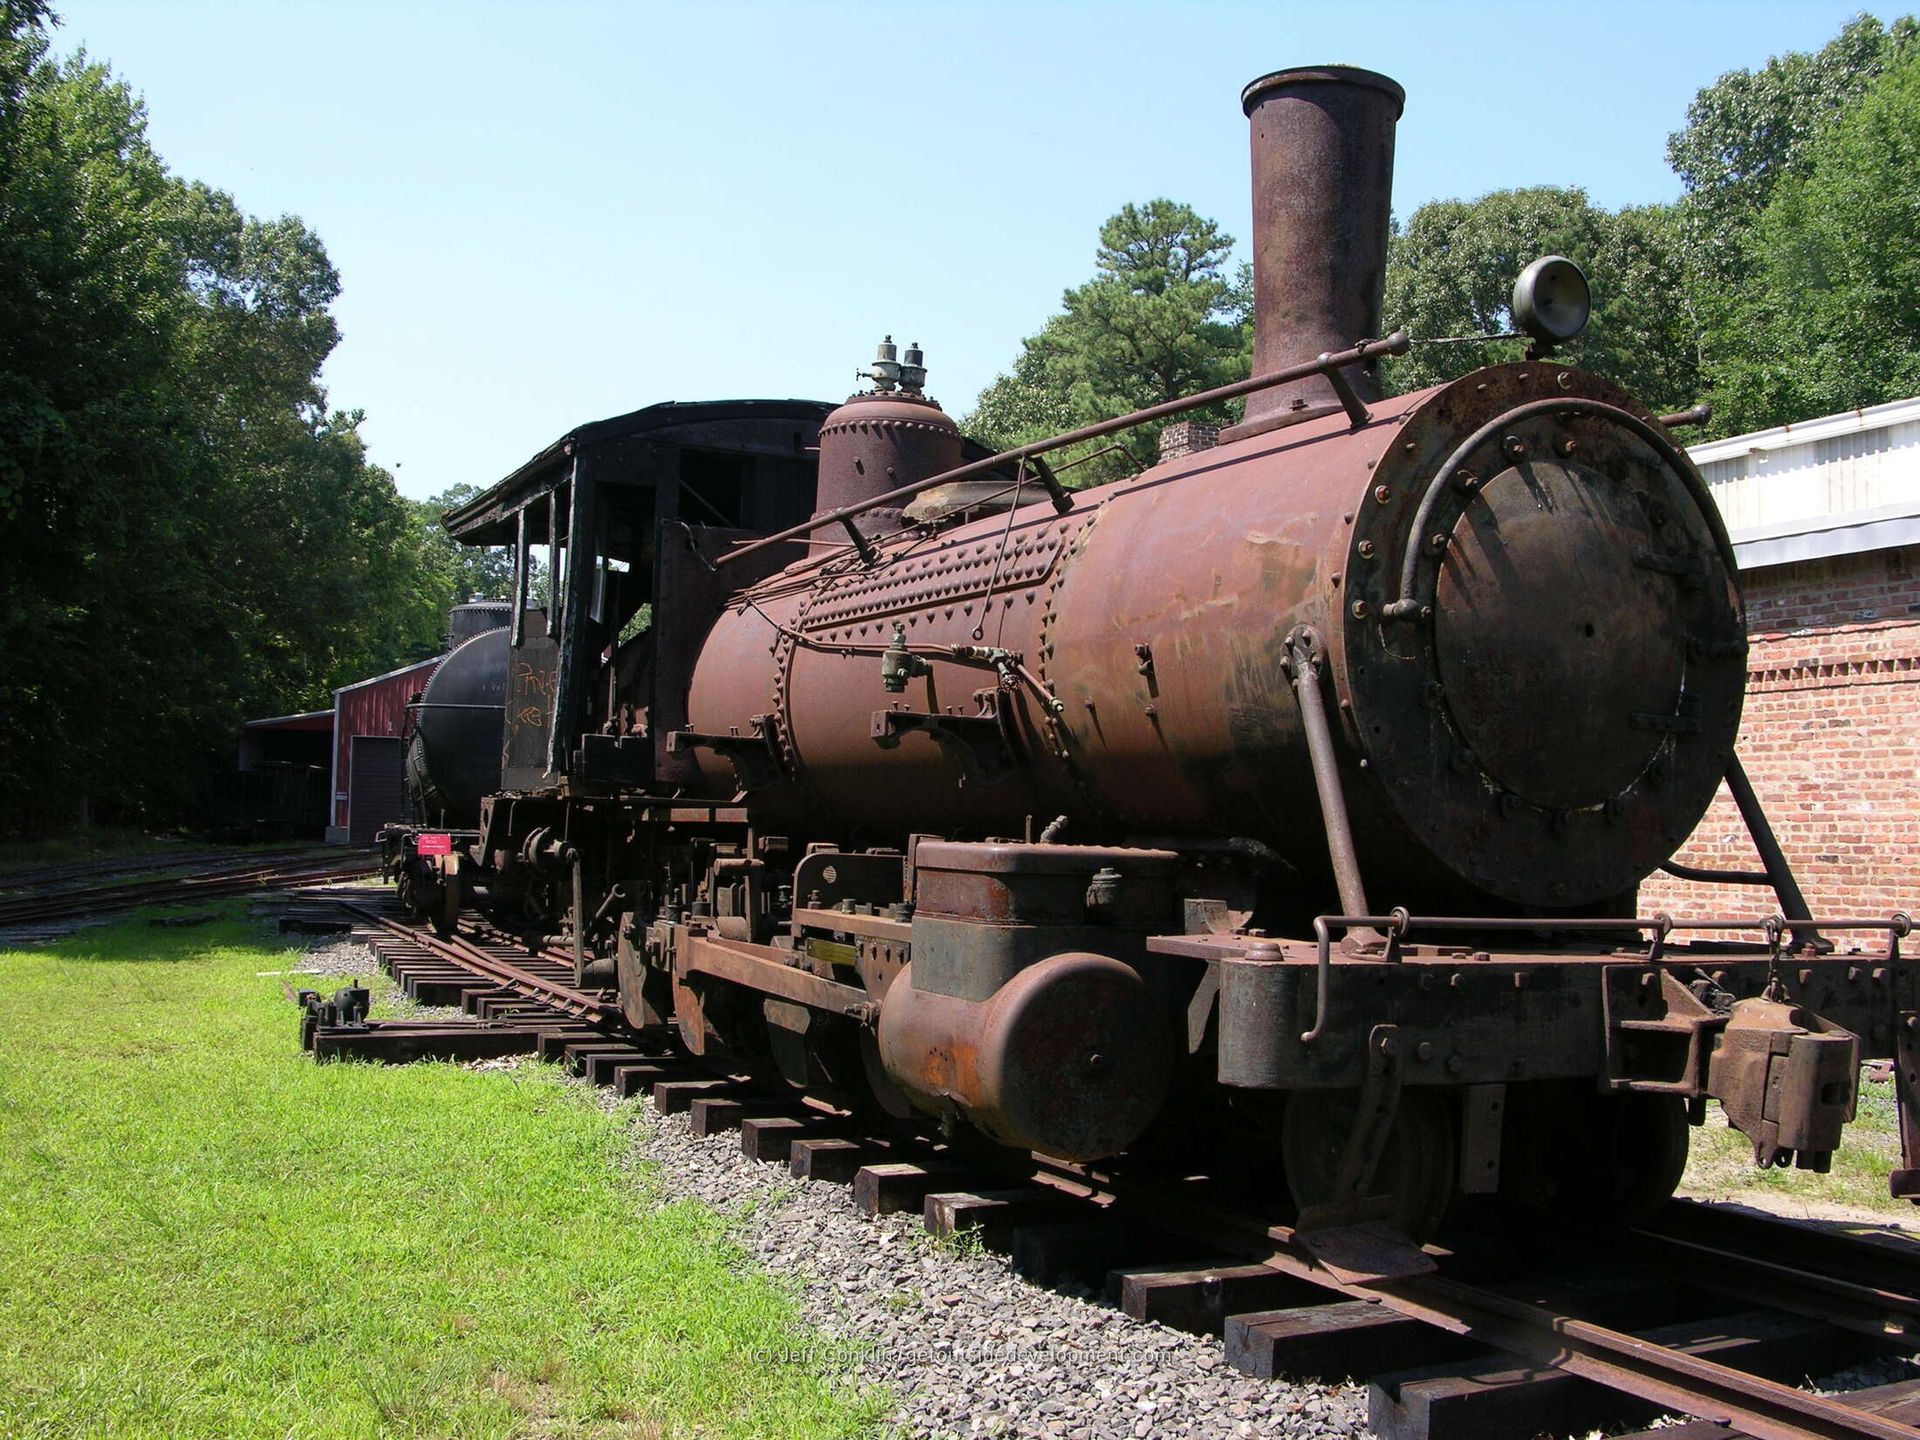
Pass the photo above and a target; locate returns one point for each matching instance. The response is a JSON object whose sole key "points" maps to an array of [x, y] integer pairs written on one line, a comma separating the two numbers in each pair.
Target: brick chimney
{"points": [[1184, 437]]}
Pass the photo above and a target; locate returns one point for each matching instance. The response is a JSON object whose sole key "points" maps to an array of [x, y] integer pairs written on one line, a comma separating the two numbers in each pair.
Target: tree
{"points": [[1830, 317], [191, 535], [1450, 274], [1748, 131], [461, 572], [1158, 321]]}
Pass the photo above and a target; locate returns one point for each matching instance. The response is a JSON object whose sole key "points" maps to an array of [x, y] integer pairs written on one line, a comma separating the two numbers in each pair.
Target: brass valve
{"points": [[899, 664]]}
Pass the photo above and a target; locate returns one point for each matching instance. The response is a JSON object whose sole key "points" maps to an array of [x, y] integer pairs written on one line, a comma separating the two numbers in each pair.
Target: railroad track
{"points": [[43, 877], [238, 877], [1702, 1312]]}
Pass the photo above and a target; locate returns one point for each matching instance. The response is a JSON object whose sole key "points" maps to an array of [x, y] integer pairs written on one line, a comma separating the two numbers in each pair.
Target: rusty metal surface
{"points": [[1070, 1057], [1205, 565], [771, 972], [1322, 184], [1471, 1015], [1006, 461], [875, 443], [1010, 884]]}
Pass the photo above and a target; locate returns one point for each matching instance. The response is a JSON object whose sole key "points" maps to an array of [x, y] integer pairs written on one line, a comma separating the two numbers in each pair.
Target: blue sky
{"points": [[548, 213]]}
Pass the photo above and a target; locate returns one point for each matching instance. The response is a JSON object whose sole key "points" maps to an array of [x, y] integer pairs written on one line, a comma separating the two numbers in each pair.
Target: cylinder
{"points": [[1070, 1057], [878, 442], [476, 617], [1322, 195], [1550, 719]]}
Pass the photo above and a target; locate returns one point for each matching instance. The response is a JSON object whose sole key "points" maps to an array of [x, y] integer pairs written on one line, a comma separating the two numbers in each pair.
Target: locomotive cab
{"points": [[609, 528]]}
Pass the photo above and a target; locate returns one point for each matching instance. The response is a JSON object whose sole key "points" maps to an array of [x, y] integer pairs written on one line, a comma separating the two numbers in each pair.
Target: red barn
{"points": [[369, 751]]}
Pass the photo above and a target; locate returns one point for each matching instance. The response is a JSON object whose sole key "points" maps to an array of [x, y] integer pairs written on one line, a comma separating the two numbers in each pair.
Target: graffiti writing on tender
{"points": [[529, 680]]}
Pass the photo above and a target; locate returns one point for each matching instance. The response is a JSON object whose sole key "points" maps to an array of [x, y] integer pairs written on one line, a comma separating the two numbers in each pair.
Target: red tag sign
{"points": [[433, 845]]}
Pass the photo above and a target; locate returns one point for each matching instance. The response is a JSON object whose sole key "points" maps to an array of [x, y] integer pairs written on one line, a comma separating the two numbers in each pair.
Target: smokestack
{"points": [[1322, 196]]}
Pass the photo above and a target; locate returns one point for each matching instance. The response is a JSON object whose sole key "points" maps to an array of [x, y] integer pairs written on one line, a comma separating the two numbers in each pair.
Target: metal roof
{"points": [[1836, 485], [303, 720], [390, 675], [471, 522]]}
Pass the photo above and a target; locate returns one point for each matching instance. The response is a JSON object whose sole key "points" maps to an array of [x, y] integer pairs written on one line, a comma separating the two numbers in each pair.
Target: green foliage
{"points": [[1829, 318], [1451, 268], [206, 1234], [1748, 131], [1782, 286], [458, 573], [1768, 276], [1159, 320], [1720, 1168], [191, 535]]}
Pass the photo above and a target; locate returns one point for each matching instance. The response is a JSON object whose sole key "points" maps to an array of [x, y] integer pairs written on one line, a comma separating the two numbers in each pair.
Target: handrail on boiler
{"points": [[1329, 364]]}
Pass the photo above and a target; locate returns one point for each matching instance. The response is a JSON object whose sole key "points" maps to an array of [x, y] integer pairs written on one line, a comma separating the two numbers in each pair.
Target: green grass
{"points": [[203, 1233], [1720, 1165]]}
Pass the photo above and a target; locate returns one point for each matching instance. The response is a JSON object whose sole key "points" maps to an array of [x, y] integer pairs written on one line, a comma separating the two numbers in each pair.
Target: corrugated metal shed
{"points": [[369, 709], [1838, 485]]}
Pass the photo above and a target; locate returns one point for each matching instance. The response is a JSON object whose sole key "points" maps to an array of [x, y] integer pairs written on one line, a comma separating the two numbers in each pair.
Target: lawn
{"points": [[1720, 1167], [203, 1233]]}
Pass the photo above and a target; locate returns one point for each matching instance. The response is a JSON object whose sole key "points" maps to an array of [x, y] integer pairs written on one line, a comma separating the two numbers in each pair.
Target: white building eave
{"points": [[1843, 484]]}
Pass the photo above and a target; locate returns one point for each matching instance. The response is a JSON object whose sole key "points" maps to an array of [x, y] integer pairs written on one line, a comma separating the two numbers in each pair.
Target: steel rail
{"points": [[1764, 1409], [1872, 1259], [468, 956], [1849, 1304], [34, 880], [1673, 1379], [175, 891]]}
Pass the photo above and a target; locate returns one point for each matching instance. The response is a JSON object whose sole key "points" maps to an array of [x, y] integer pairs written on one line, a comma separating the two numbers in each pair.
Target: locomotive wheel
{"points": [[1597, 1157], [408, 890], [446, 910], [1417, 1165]]}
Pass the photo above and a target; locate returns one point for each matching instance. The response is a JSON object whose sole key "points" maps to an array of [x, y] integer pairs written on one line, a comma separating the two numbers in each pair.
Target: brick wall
{"points": [[1830, 738], [1183, 437]]}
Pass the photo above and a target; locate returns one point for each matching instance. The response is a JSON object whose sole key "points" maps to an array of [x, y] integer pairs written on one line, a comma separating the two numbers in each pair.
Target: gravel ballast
{"points": [[966, 1346]]}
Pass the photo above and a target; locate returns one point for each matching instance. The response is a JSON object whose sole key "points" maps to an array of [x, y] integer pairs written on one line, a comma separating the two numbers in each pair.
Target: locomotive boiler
{"points": [[1296, 790]]}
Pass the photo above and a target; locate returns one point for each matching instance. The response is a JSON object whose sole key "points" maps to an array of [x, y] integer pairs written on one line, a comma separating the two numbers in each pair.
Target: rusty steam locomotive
{"points": [[1299, 787]]}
